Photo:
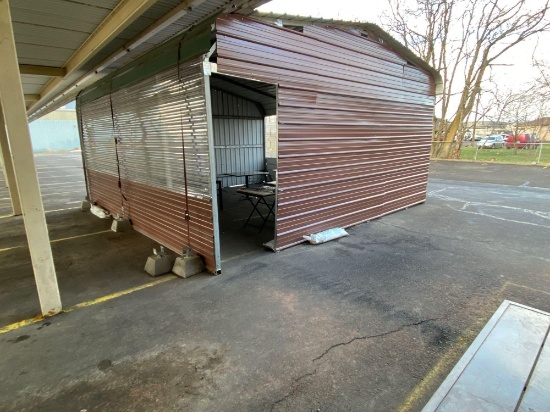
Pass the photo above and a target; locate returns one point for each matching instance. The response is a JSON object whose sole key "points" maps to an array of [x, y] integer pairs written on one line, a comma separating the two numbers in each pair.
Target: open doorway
{"points": [[245, 146]]}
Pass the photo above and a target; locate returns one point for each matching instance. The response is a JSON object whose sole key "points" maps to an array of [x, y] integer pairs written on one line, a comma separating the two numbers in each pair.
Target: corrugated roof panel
{"points": [[41, 55], [58, 13], [32, 88], [159, 8], [37, 80], [84, 16], [108, 4], [47, 36], [198, 14]]}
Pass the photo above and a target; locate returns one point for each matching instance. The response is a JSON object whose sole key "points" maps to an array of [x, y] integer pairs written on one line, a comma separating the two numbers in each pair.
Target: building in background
{"points": [[56, 131]]}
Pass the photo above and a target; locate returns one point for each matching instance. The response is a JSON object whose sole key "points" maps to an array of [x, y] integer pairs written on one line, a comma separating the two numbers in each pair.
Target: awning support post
{"points": [[7, 167], [19, 138]]}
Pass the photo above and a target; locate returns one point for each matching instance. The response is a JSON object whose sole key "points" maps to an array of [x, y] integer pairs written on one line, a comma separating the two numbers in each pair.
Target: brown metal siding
{"points": [[355, 122], [153, 122]]}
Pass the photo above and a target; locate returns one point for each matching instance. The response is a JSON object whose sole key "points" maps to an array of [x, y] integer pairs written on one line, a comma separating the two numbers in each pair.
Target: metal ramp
{"points": [[506, 368]]}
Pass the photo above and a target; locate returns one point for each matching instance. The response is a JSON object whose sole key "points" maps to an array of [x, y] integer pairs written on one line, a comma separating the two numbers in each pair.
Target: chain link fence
{"points": [[534, 153]]}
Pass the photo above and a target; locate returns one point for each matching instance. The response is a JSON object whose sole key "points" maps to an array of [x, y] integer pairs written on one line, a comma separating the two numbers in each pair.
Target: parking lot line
{"points": [[60, 210], [58, 240], [46, 211], [88, 303], [121, 293]]}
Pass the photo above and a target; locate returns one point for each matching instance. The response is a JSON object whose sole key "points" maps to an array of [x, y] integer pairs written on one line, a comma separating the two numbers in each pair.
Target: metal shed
{"points": [[354, 111]]}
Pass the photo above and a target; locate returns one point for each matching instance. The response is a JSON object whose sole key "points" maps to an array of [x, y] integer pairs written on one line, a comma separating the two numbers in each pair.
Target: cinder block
{"points": [[121, 225], [85, 206], [157, 265], [187, 266]]}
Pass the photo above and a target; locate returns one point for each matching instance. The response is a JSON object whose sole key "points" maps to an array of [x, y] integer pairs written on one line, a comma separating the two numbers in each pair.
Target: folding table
{"points": [[258, 197]]}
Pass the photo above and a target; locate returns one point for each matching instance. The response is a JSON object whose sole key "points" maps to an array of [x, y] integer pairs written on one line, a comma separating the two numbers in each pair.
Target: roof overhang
{"points": [[63, 47]]}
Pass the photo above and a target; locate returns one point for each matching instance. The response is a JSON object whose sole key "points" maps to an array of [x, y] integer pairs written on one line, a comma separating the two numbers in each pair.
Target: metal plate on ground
{"points": [[537, 394], [493, 372]]}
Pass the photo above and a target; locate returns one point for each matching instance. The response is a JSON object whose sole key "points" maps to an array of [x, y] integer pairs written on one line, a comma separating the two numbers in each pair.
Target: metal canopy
{"points": [[63, 46]]}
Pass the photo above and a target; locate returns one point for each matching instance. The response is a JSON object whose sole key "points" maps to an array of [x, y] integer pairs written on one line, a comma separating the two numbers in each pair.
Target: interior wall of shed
{"points": [[239, 138], [240, 108]]}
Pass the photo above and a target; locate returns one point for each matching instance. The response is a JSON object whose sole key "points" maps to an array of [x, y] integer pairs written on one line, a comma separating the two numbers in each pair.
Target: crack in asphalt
{"points": [[295, 386], [379, 335], [296, 383]]}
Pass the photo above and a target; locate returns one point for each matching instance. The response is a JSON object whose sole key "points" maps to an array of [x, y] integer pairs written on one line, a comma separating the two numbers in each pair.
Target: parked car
{"points": [[491, 142], [523, 140]]}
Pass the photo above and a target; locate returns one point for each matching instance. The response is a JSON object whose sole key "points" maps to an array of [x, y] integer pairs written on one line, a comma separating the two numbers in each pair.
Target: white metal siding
{"points": [[238, 136]]}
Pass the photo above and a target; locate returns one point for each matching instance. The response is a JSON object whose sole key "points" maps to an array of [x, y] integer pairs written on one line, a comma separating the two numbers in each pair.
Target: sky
{"points": [[513, 71]]}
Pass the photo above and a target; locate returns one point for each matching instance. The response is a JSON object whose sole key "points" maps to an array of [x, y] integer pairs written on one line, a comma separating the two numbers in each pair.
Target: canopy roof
{"points": [[63, 46]]}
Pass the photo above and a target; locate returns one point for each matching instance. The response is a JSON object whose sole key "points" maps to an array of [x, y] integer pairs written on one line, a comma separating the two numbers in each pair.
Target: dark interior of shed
{"points": [[245, 146]]}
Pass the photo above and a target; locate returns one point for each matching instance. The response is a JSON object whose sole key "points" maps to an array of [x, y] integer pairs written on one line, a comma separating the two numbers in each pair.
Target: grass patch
{"points": [[524, 156]]}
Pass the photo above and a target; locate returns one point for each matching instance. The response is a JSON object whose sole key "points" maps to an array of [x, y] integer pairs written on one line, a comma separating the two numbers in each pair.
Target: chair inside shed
{"points": [[245, 144]]}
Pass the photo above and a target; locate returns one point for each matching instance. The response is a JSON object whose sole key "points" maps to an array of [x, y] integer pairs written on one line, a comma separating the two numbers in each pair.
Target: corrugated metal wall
{"points": [[99, 154], [354, 121], [238, 136], [150, 121]]}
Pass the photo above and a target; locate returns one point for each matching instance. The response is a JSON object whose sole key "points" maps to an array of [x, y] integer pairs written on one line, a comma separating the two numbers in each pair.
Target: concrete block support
{"points": [[13, 105], [121, 225], [7, 167], [188, 265], [85, 205], [159, 263]]}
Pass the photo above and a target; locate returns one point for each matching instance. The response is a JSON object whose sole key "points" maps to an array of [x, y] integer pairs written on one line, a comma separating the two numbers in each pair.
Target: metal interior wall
{"points": [[238, 136], [152, 119], [354, 122]]}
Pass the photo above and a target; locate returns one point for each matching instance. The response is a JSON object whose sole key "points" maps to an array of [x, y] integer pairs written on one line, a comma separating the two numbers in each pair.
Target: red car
{"points": [[523, 140]]}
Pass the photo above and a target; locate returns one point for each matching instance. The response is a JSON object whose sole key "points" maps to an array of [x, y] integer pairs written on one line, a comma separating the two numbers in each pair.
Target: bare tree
{"points": [[461, 39], [522, 110], [542, 82]]}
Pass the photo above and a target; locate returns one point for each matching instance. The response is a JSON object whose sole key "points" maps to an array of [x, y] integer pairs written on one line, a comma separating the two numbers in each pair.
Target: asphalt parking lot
{"points": [[373, 321]]}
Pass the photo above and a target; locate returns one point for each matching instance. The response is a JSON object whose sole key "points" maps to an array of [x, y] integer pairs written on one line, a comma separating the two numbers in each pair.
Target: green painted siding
{"points": [[190, 44]]}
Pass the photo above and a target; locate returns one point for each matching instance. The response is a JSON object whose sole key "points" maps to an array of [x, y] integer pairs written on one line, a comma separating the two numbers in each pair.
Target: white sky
{"points": [[364, 10]]}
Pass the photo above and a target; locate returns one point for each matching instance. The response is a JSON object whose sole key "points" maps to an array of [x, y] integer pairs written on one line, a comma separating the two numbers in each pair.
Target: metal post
{"points": [[212, 158], [7, 166], [2, 162], [17, 127], [2, 165]]}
